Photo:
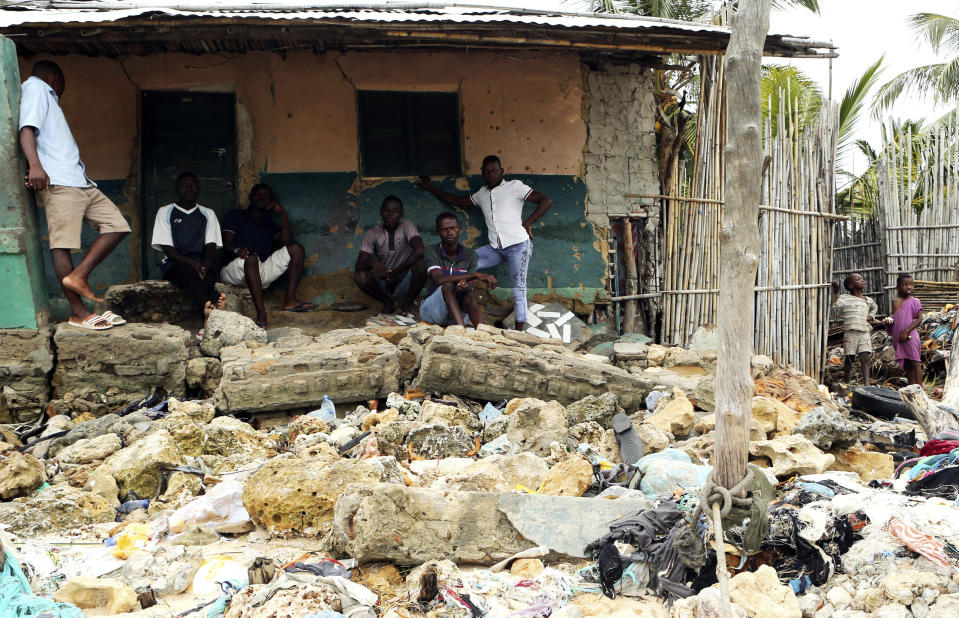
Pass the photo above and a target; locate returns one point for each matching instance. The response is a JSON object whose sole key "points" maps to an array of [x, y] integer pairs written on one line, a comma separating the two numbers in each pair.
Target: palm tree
{"points": [[787, 89], [940, 80]]}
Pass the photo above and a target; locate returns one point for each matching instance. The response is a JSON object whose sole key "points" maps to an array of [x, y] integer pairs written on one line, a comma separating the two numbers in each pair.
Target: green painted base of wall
{"points": [[329, 221]]}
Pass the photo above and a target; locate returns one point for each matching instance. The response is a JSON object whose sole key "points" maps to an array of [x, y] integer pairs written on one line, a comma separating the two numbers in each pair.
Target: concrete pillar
{"points": [[23, 292]]}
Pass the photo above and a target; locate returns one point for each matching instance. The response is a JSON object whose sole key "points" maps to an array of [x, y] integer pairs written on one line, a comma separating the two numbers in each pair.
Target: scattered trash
{"points": [[326, 412], [483, 494]]}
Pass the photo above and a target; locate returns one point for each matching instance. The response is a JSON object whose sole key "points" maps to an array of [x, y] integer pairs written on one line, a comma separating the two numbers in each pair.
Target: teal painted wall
{"points": [[23, 303], [329, 220]]}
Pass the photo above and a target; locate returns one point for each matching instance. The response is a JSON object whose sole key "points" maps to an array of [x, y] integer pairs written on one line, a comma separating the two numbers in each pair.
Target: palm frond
{"points": [[853, 102], [812, 5], [924, 79], [940, 31], [787, 90]]}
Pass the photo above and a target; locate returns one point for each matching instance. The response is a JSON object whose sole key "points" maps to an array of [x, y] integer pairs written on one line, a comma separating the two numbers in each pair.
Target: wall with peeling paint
{"points": [[297, 130]]}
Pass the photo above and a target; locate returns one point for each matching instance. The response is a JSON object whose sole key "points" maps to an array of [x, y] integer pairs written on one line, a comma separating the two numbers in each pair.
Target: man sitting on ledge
{"points": [[260, 251], [452, 267], [390, 265], [188, 235]]}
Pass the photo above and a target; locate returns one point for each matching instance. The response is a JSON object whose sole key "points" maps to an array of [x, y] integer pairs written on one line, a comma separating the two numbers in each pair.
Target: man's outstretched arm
{"points": [[463, 201]]}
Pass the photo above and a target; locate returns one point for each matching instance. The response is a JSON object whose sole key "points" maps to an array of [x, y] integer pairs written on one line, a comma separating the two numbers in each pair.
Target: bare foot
{"points": [[221, 301], [208, 308], [80, 286], [389, 307]]}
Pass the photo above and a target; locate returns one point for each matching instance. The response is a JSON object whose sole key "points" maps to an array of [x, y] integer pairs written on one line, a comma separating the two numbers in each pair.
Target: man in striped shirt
{"points": [[858, 319], [452, 269]]}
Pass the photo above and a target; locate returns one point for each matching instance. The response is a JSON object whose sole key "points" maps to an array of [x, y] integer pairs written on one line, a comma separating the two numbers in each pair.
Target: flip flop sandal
{"points": [[630, 446], [91, 323], [302, 307], [113, 318]]}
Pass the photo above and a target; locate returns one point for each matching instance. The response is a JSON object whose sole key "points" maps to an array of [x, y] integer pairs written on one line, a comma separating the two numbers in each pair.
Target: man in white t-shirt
{"points": [[510, 236], [188, 235], [59, 181]]}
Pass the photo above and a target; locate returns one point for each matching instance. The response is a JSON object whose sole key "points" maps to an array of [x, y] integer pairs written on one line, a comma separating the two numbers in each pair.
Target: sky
{"points": [[862, 29]]}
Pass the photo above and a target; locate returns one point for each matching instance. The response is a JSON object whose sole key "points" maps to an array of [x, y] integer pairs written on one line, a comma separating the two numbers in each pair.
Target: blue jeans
{"points": [[517, 257], [433, 309], [402, 287]]}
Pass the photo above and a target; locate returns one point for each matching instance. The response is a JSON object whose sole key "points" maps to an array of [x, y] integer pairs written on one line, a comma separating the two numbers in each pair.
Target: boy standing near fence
{"points": [[858, 320]]}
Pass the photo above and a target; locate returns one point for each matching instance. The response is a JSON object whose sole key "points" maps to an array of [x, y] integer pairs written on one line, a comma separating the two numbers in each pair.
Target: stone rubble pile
{"points": [[466, 473]]}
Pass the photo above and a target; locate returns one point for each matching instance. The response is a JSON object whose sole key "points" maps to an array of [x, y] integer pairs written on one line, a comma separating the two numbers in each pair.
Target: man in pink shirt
{"points": [[390, 267]]}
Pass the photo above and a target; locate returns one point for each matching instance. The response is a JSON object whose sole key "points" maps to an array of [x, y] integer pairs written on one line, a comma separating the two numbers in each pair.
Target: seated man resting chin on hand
{"points": [[452, 269], [259, 251]]}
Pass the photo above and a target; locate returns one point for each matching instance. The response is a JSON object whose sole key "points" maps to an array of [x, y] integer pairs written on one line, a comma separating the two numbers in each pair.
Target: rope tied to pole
{"points": [[747, 501]]}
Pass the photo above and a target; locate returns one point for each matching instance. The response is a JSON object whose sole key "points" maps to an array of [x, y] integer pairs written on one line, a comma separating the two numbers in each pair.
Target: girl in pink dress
{"points": [[906, 317]]}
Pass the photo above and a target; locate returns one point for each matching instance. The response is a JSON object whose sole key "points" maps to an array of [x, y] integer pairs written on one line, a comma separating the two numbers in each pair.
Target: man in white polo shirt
{"points": [[57, 176], [510, 236]]}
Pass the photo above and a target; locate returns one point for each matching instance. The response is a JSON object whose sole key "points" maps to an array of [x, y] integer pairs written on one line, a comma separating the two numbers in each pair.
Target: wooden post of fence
{"points": [[632, 277]]}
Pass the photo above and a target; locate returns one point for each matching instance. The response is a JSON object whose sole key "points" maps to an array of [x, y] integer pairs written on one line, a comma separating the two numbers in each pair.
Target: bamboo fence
{"points": [[919, 204], [796, 220], [858, 248]]}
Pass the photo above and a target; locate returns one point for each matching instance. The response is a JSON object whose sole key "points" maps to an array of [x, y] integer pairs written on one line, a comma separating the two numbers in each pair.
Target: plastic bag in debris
{"points": [[216, 569], [668, 470], [499, 446], [489, 413], [221, 509], [17, 599], [135, 536]]}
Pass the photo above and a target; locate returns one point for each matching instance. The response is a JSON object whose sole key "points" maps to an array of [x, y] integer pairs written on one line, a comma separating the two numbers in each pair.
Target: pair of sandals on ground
{"points": [[101, 321]]}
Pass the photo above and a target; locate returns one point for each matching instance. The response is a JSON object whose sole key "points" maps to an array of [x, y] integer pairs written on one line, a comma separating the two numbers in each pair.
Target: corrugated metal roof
{"points": [[37, 12], [35, 18]]}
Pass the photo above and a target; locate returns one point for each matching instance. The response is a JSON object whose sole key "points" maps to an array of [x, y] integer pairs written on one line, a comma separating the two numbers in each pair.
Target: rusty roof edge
{"points": [[28, 14]]}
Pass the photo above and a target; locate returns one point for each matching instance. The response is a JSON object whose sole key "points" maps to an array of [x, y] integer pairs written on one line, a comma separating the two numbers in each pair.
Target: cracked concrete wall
{"points": [[620, 155], [297, 129]]}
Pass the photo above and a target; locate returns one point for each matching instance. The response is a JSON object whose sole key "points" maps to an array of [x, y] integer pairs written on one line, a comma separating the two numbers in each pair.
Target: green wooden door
{"points": [[186, 131]]}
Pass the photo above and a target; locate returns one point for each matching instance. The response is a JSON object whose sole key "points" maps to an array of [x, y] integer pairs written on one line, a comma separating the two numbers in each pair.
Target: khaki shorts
{"points": [[856, 342], [271, 269], [68, 207]]}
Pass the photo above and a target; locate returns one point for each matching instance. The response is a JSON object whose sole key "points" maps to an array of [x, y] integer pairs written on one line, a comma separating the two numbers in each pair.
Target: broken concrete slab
{"points": [[565, 524], [24, 373], [20, 474], [551, 373], [534, 424], [55, 509], [293, 494], [162, 302], [349, 365], [226, 328], [412, 525], [110, 368]]}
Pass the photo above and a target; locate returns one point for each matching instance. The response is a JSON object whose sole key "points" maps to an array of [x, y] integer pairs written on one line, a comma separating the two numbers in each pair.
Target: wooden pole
{"points": [[739, 239], [931, 417], [632, 278]]}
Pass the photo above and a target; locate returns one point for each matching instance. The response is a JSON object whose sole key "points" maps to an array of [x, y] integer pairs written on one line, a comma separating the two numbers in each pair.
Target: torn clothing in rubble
{"points": [[652, 533]]}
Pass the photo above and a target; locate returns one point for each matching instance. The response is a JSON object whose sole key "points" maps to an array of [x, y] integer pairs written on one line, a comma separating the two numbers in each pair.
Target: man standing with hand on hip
{"points": [[510, 236], [57, 176]]}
